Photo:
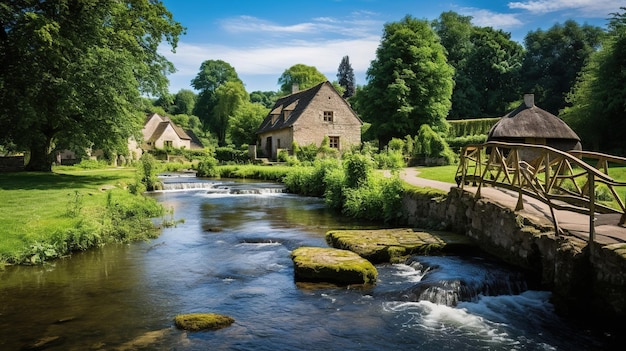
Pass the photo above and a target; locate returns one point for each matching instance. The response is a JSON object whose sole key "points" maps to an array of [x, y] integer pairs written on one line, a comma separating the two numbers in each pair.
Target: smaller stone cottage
{"points": [[159, 132], [530, 124], [307, 117]]}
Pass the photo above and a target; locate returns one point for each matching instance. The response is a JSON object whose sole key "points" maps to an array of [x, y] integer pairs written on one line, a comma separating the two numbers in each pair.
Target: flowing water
{"points": [[231, 256]]}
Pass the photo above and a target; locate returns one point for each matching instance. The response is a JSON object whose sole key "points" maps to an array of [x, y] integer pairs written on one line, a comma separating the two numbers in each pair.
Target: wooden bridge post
{"points": [[592, 210]]}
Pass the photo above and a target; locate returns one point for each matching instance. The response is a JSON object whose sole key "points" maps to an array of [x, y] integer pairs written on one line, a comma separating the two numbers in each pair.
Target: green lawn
{"points": [[41, 208], [440, 173]]}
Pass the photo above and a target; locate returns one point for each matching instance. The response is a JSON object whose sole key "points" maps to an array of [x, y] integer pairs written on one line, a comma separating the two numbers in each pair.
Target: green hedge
{"points": [[466, 127]]}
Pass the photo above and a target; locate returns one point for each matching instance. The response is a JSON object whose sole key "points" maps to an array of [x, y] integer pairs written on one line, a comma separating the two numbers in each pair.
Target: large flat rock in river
{"points": [[317, 264], [395, 245]]}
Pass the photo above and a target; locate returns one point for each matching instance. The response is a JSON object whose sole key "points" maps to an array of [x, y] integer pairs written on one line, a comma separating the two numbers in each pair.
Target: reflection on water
{"points": [[124, 297]]}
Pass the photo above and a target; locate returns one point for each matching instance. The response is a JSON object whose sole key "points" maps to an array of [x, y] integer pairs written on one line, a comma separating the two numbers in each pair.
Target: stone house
{"points": [[159, 132], [307, 117]]}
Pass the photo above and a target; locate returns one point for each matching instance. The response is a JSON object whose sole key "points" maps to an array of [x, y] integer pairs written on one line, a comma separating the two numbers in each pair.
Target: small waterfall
{"points": [[450, 280], [228, 188], [187, 185]]}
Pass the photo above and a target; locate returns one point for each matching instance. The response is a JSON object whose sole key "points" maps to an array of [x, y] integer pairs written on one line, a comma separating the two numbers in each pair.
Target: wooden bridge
{"points": [[564, 181]]}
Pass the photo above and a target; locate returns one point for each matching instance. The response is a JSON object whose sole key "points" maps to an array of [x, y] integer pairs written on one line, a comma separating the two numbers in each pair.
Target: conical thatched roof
{"points": [[530, 121]]}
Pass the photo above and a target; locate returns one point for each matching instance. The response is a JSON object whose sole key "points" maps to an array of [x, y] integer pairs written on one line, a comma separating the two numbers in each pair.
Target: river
{"points": [[231, 255]]}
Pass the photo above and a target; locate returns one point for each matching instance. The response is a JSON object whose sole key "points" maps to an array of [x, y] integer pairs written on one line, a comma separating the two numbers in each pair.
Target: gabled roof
{"points": [[288, 109], [530, 121]]}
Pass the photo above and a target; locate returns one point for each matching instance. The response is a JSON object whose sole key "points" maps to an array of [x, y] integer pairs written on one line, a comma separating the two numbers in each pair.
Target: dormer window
{"points": [[274, 118], [328, 116]]}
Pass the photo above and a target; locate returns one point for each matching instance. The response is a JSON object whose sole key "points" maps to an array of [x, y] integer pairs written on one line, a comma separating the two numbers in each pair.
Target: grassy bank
{"points": [[48, 215]]}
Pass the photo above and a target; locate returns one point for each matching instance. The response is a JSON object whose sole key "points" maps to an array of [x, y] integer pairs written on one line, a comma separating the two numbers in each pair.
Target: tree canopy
{"points": [[487, 66], [212, 74], [598, 100], [554, 58], [229, 96], [409, 82], [302, 75], [345, 77], [72, 72]]}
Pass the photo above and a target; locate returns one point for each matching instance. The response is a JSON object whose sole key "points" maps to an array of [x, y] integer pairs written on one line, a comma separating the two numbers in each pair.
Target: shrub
{"points": [[229, 154], [389, 160], [207, 168], [333, 194], [148, 170], [430, 144], [357, 168], [306, 153]]}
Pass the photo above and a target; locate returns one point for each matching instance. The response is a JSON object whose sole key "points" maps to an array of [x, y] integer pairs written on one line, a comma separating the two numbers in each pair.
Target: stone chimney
{"points": [[529, 100], [295, 88]]}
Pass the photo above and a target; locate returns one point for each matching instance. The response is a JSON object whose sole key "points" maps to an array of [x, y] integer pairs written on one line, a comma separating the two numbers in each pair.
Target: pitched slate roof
{"points": [[292, 105], [530, 121]]}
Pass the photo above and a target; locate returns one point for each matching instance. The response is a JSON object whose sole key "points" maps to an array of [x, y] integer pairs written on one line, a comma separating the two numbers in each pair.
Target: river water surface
{"points": [[232, 256]]}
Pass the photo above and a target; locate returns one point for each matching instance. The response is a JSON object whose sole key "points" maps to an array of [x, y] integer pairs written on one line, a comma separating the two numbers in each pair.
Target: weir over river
{"points": [[231, 255]]}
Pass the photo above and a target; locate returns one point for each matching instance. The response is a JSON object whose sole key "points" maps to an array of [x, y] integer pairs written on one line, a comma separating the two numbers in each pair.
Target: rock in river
{"points": [[317, 264]]}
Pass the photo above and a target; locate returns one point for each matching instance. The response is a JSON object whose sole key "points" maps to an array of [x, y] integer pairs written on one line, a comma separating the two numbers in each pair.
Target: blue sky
{"points": [[263, 38]]}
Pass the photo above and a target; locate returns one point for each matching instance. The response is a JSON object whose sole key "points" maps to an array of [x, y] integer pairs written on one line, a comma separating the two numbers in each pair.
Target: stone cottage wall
{"points": [[310, 128]]}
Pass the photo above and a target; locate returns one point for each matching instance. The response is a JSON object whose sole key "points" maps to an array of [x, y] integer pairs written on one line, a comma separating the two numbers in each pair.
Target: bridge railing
{"points": [[562, 180]]}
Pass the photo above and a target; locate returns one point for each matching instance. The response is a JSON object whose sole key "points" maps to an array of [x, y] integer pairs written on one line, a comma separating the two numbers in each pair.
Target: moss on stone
{"points": [[316, 264], [395, 245], [202, 321]]}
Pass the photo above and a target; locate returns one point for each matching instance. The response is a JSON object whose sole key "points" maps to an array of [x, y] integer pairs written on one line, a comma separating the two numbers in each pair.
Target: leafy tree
{"points": [[409, 82], [493, 67], [553, 60], [213, 74], [455, 32], [303, 75], [72, 72], [184, 102], [598, 100], [165, 101], [487, 65], [230, 96], [345, 76], [265, 98], [245, 122]]}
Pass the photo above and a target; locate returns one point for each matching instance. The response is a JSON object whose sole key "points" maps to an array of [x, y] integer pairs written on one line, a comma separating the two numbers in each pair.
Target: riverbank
{"points": [[49, 215]]}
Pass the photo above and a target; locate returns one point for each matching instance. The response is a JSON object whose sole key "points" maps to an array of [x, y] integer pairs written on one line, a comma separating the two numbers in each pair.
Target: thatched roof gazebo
{"points": [[530, 124]]}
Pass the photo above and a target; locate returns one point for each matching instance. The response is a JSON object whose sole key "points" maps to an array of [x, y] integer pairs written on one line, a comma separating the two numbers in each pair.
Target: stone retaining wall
{"points": [[580, 283]]}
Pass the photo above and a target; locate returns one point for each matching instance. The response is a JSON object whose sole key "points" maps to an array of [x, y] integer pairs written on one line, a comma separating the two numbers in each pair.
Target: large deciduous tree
{"points": [[409, 82], [230, 96], [72, 72], [493, 67], [345, 77], [184, 102], [487, 65], [554, 58], [212, 75], [455, 32], [304, 76], [245, 122], [598, 100]]}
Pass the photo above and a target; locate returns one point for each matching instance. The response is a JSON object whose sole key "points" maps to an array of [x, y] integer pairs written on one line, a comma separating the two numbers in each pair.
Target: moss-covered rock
{"points": [[395, 245], [202, 321], [316, 264]]}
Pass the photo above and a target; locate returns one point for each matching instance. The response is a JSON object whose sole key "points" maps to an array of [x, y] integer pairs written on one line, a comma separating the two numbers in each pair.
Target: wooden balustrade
{"points": [[562, 180]]}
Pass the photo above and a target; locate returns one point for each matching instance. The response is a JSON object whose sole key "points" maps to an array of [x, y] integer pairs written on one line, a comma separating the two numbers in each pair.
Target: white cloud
{"points": [[586, 8], [486, 18], [272, 59], [357, 25]]}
